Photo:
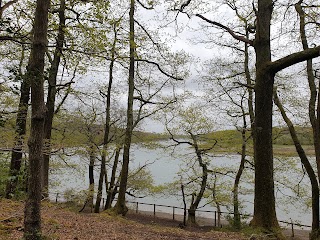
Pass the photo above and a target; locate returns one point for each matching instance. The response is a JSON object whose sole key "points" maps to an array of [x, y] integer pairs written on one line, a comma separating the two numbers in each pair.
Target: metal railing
{"points": [[215, 214]]}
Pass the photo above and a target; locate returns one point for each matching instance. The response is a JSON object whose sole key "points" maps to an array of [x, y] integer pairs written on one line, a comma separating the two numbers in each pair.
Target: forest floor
{"points": [[59, 222]]}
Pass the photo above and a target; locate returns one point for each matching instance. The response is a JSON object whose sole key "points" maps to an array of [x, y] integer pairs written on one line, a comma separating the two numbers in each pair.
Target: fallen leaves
{"points": [[62, 224]]}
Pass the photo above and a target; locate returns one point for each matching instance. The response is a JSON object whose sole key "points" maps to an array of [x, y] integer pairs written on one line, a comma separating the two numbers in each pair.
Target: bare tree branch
{"points": [[232, 33], [160, 69], [294, 58]]}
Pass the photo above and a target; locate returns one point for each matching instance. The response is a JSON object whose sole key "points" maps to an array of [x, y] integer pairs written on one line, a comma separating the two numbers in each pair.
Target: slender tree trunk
{"points": [[35, 73], [107, 123], [89, 199], [184, 205], [111, 189], [315, 234], [121, 207], [215, 199], [237, 219], [195, 202], [314, 103], [264, 198], [52, 89], [20, 131]]}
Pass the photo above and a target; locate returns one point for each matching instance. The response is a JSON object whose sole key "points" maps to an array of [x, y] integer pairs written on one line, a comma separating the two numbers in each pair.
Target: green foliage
{"points": [[140, 181], [4, 172]]}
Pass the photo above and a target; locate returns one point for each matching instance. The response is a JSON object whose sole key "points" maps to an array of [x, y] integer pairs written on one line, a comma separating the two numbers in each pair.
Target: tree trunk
{"points": [[195, 202], [35, 73], [20, 131], [121, 207], [89, 200], [314, 103], [311, 174], [264, 198], [53, 72], [111, 189], [107, 123], [215, 200], [237, 219]]}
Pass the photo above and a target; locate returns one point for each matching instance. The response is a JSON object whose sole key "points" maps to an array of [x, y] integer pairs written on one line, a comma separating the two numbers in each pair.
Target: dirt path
{"points": [[206, 224]]}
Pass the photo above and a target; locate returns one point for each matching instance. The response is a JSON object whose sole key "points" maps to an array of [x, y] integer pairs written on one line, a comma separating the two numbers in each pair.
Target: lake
{"points": [[167, 166]]}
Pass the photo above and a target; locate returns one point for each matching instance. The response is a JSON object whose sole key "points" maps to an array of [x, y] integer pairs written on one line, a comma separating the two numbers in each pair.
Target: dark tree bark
{"points": [[264, 199], [89, 199], [20, 131], [306, 163], [237, 219], [35, 73], [91, 177], [112, 186], [120, 206], [52, 89], [198, 196]]}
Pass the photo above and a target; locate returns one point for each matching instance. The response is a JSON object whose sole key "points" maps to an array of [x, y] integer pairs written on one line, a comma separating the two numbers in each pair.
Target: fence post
{"points": [[154, 210], [57, 194], [173, 212], [137, 207], [292, 230], [215, 218]]}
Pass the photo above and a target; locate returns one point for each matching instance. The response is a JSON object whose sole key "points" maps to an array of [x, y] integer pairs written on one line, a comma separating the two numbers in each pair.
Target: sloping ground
{"points": [[60, 223]]}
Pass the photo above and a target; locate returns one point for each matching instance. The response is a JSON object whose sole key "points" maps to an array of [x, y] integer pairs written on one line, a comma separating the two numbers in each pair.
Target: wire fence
{"points": [[214, 215]]}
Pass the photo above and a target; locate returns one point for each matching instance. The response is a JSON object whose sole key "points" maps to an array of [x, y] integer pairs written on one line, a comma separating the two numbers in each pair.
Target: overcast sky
{"points": [[193, 36]]}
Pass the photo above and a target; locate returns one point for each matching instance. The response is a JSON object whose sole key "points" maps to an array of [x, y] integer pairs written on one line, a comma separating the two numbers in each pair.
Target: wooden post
{"points": [[292, 230], [137, 207], [215, 218], [154, 210], [173, 212]]}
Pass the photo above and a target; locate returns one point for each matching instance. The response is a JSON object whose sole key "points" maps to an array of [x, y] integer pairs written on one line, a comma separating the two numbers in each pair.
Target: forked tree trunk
{"points": [[112, 188], [35, 73]]}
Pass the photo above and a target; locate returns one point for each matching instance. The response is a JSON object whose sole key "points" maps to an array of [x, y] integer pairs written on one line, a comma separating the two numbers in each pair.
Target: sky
{"points": [[193, 36]]}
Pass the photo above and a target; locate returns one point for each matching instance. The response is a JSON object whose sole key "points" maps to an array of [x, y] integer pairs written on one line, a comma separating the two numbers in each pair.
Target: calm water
{"points": [[165, 167]]}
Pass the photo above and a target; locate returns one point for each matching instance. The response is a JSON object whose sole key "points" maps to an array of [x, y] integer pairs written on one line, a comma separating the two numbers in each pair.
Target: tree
{"points": [[192, 121], [138, 61], [108, 123], [309, 169], [52, 90], [20, 132], [120, 206], [264, 198], [19, 37], [35, 72]]}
